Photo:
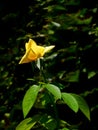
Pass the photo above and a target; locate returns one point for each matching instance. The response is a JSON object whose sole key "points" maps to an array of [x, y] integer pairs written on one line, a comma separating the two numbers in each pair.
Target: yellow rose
{"points": [[33, 52]]}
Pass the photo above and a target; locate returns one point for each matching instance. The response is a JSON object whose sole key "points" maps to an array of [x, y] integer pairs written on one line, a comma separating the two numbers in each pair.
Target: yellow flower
{"points": [[33, 52]]}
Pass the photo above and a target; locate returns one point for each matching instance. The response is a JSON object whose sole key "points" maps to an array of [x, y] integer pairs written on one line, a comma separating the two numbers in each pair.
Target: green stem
{"points": [[55, 111], [50, 96], [42, 71]]}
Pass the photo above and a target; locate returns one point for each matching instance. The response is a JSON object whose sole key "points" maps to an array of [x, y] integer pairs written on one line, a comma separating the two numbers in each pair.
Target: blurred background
{"points": [[70, 25]]}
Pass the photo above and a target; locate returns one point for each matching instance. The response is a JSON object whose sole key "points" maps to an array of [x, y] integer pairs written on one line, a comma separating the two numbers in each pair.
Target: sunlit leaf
{"points": [[70, 101], [56, 24], [65, 129], [28, 123], [83, 106], [91, 74], [29, 99], [54, 90]]}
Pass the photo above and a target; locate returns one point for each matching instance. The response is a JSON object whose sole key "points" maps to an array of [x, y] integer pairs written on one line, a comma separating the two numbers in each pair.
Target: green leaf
{"points": [[48, 122], [54, 90], [82, 105], [65, 129], [29, 99], [73, 76], [56, 24], [28, 123], [70, 101], [91, 74], [51, 124], [59, 7]]}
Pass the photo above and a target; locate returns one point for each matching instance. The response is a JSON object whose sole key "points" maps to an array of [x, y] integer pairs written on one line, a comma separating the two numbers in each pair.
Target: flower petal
{"points": [[30, 44], [24, 59], [48, 48], [38, 50], [34, 51], [31, 55]]}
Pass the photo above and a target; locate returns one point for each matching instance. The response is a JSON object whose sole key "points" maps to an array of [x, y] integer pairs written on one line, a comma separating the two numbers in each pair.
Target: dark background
{"points": [[70, 25]]}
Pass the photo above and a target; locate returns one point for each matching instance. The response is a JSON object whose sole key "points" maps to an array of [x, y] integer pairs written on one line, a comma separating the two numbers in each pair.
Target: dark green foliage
{"points": [[70, 25]]}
